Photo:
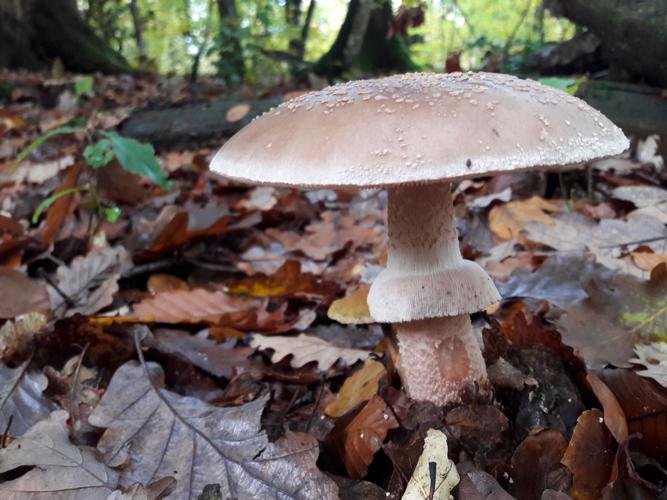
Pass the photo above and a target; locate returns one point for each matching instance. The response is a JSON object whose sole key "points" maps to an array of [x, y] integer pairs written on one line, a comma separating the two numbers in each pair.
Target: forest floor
{"points": [[156, 340]]}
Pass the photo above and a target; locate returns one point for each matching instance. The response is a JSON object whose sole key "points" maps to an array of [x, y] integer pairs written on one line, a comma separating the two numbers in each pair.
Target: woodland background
{"points": [[154, 315]]}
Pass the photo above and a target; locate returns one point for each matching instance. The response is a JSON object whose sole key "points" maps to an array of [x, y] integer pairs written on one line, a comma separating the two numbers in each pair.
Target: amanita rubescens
{"points": [[413, 134]]}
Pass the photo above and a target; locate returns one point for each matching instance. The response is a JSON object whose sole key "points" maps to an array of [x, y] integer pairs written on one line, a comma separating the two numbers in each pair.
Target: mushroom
{"points": [[414, 134]]}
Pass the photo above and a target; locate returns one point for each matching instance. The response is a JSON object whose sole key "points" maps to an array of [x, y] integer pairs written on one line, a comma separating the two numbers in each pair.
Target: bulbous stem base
{"points": [[439, 359]]}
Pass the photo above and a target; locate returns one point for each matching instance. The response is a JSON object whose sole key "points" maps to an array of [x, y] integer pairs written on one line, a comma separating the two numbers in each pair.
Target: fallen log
{"points": [[194, 124]]}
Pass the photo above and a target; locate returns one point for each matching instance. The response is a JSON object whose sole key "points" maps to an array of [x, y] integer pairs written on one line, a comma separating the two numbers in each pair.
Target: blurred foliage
{"points": [[495, 34]]}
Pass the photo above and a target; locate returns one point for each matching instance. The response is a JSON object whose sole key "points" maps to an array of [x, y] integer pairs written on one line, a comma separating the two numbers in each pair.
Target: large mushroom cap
{"points": [[418, 128]]}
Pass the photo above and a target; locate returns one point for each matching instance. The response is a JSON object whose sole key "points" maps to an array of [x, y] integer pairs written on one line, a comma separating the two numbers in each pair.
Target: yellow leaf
{"points": [[359, 387], [646, 261], [507, 221], [353, 309]]}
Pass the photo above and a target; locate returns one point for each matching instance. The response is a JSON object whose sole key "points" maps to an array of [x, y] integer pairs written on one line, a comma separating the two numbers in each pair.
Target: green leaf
{"points": [[83, 85], [137, 158], [569, 85], [112, 214], [99, 154], [47, 202], [45, 137]]}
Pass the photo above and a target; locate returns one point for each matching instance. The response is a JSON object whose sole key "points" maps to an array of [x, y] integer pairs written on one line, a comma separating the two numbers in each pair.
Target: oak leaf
{"points": [[154, 433], [351, 309], [306, 349], [508, 220]]}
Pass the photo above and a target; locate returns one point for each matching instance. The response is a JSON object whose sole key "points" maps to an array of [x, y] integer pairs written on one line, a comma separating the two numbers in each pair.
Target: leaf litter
{"points": [[264, 375]]}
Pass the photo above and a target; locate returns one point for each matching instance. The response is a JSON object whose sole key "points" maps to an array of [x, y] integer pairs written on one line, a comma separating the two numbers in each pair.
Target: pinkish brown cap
{"points": [[417, 128]]}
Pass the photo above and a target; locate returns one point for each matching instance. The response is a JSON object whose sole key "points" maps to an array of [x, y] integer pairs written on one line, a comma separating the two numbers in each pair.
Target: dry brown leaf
{"points": [[190, 306], [88, 284], [58, 212], [21, 399], [61, 470], [220, 360], [352, 309], [236, 113], [21, 294], [589, 456], [16, 336], [356, 442], [159, 283], [646, 261], [533, 460], [614, 418], [359, 387], [288, 280], [306, 349], [200, 444], [508, 220]]}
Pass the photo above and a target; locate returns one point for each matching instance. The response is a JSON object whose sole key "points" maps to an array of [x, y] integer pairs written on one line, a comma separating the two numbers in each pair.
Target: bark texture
{"points": [[362, 43], [633, 32], [34, 32]]}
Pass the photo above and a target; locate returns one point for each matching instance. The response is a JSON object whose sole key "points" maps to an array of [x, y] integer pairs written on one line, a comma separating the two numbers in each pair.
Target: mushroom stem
{"points": [[439, 358]]}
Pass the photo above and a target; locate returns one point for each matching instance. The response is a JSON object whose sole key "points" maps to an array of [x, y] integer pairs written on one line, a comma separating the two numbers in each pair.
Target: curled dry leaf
{"points": [[352, 309], [306, 349], [614, 418], [26, 295], [189, 306], [58, 212], [21, 399], [61, 470], [88, 284], [16, 336], [356, 441], [589, 456], [647, 260], [156, 433], [533, 460], [287, 280], [433, 461], [361, 386]]}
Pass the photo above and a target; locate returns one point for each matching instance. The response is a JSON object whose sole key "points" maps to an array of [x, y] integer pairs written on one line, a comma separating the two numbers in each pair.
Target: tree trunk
{"points": [[632, 32], [362, 43], [231, 65], [138, 32], [34, 32]]}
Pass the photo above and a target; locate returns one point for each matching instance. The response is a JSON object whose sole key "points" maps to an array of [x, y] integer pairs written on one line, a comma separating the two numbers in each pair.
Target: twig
{"points": [[317, 402], [636, 242], [66, 298], [75, 382]]}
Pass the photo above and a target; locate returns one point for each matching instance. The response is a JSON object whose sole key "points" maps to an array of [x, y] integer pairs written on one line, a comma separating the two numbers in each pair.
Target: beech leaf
{"points": [[21, 399], [306, 348], [61, 470], [156, 433], [361, 386]]}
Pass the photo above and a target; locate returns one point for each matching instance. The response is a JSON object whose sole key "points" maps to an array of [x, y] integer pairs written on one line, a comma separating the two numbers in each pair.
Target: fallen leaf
{"points": [[479, 485], [60, 209], [159, 283], [61, 470], [288, 280], [200, 444], [478, 428], [26, 295], [507, 221], [221, 360], [589, 456], [356, 441], [644, 403], [260, 198], [16, 336], [306, 349], [647, 261], [189, 306], [654, 357], [88, 284], [614, 418], [154, 491], [640, 196], [21, 399], [361, 386], [433, 462], [352, 309], [534, 459]]}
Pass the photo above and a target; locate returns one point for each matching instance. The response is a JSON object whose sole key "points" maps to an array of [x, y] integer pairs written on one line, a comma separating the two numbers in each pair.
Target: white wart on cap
{"points": [[417, 128]]}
